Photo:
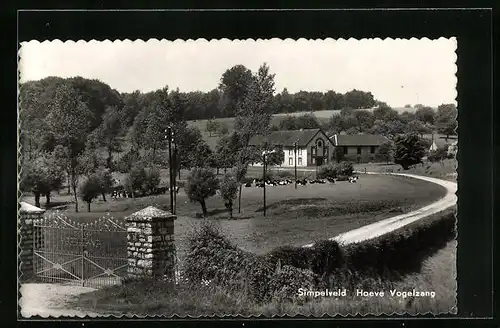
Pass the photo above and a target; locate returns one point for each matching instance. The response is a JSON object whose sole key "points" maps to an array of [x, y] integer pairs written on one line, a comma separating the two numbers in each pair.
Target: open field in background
{"points": [[447, 169], [294, 217], [438, 274]]}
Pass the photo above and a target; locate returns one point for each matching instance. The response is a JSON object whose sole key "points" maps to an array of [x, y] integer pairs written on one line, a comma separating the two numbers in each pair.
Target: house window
{"points": [[300, 161], [345, 150], [319, 143], [290, 152], [300, 151], [372, 150], [359, 150], [313, 151], [290, 161], [326, 151], [313, 160]]}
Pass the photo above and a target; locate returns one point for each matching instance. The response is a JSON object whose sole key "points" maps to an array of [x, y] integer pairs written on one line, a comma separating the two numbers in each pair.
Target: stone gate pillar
{"points": [[28, 213], [151, 250]]}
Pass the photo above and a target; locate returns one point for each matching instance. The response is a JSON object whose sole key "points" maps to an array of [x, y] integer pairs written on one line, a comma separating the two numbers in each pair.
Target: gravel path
{"points": [[382, 227], [51, 300]]}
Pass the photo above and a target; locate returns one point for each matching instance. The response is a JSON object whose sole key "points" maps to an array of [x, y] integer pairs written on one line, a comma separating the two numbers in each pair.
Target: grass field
{"points": [[438, 275], [294, 216], [446, 169]]}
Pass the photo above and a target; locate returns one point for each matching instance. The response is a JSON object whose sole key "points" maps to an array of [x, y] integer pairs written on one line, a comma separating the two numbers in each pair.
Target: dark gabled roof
{"points": [[358, 140], [285, 138]]}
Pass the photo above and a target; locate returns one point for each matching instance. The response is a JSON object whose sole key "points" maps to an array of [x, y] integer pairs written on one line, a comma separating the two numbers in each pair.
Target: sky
{"points": [[398, 72]]}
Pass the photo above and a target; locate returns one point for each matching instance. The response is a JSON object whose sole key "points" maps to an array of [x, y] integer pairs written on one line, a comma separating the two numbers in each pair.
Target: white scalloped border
{"points": [[372, 316]]}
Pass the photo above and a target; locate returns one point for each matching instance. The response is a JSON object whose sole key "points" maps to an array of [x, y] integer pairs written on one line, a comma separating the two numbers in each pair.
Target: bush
{"points": [[136, 178], [438, 155], [345, 168], [211, 257], [284, 174], [336, 170], [329, 171], [287, 280], [152, 179], [124, 164], [327, 256], [299, 257]]}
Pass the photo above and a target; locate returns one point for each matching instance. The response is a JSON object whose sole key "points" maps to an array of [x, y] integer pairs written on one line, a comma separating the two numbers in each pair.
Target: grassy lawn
{"points": [[294, 216], [438, 274], [446, 170]]}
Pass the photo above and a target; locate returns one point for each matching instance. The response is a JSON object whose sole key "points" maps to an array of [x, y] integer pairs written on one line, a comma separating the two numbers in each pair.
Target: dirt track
{"points": [[382, 227]]}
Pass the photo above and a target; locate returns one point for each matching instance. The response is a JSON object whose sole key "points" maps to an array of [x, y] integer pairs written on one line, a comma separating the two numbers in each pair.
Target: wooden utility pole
{"points": [[295, 161], [264, 178], [170, 171], [174, 175]]}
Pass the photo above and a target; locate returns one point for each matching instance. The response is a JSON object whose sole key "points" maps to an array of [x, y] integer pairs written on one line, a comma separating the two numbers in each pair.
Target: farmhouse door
{"points": [[319, 161]]}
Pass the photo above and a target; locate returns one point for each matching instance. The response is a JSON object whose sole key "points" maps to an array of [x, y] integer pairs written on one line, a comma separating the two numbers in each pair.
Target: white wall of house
{"points": [[289, 158]]}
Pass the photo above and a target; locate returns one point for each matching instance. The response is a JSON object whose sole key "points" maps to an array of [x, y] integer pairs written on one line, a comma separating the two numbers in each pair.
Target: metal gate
{"points": [[86, 254]]}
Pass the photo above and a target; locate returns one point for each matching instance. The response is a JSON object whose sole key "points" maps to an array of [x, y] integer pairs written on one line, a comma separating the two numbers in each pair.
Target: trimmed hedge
{"points": [[404, 249]]}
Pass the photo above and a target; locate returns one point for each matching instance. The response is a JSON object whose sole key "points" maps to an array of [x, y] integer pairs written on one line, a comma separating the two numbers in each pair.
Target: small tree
{"points": [[105, 180], [212, 126], [136, 178], [385, 152], [90, 190], [223, 129], [152, 178], [228, 190], [201, 184], [409, 150]]}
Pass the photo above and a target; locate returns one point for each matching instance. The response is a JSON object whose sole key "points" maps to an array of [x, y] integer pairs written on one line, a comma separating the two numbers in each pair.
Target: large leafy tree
{"points": [[446, 119], [385, 152], [254, 113], [193, 151], [41, 175], [357, 99], [70, 121], [109, 131], [425, 114], [234, 85], [157, 119], [409, 150]]}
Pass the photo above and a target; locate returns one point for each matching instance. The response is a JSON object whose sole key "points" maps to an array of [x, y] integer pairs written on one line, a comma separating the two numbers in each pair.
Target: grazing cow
{"points": [[353, 179]]}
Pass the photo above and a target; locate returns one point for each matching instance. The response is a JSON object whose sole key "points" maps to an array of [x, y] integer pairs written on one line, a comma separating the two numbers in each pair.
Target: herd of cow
{"points": [[121, 192], [260, 183]]}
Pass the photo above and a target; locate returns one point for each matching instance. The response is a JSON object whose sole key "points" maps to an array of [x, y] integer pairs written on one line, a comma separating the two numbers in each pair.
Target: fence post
{"points": [[151, 249], [28, 213]]}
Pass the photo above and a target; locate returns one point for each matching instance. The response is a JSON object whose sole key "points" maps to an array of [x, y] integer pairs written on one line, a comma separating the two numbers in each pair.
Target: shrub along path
{"points": [[382, 227]]}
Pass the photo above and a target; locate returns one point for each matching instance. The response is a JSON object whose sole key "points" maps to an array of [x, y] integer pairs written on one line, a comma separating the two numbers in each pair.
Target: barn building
{"points": [[316, 148]]}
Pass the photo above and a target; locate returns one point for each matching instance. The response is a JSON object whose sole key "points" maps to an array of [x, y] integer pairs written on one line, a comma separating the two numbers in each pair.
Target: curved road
{"points": [[382, 227]]}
